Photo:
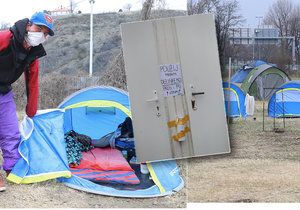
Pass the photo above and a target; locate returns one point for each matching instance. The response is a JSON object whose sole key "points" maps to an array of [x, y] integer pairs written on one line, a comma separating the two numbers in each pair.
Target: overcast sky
{"points": [[13, 10]]}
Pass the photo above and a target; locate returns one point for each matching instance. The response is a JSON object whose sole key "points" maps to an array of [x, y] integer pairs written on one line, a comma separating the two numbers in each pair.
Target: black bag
{"points": [[126, 128]]}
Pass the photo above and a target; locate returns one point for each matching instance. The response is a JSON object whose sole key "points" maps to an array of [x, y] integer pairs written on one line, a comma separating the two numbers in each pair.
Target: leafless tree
{"points": [[127, 7], [226, 17], [200, 6], [295, 28], [285, 16], [146, 9], [279, 15], [115, 75], [4, 25], [160, 4], [72, 5], [148, 5]]}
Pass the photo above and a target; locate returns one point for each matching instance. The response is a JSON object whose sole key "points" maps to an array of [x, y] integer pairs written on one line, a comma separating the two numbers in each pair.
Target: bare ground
{"points": [[263, 166]]}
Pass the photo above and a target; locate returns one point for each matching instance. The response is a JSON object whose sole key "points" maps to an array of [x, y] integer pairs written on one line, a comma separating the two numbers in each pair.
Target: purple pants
{"points": [[9, 131]]}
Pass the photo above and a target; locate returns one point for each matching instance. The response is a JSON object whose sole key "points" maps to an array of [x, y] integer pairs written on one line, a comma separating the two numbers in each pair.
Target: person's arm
{"points": [[32, 89], [5, 37]]}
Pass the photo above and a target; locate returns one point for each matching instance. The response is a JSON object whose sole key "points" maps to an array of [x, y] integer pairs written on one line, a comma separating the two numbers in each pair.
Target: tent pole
{"points": [[229, 80], [264, 111], [274, 115], [263, 115], [282, 98]]}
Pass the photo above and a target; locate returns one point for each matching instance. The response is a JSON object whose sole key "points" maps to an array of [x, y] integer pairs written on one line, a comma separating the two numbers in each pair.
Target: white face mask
{"points": [[35, 38]]}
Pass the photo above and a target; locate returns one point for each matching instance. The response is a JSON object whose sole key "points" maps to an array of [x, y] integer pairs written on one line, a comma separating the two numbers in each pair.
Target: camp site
{"points": [[158, 104]]}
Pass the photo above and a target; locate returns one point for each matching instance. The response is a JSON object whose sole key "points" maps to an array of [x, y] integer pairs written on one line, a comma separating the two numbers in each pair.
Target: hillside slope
{"points": [[68, 50]]}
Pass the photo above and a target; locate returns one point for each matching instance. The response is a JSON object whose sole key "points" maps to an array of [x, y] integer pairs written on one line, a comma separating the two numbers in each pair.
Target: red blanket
{"points": [[105, 164]]}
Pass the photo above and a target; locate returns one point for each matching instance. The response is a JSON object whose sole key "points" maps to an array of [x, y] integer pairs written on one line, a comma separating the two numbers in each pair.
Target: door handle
{"points": [[155, 100], [198, 93], [193, 99], [152, 100]]}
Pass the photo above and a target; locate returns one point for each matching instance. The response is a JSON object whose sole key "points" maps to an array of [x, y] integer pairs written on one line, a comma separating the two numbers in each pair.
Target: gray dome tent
{"points": [[263, 80]]}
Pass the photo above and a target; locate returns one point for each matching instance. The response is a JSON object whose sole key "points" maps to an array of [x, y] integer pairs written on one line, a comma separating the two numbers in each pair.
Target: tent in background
{"points": [[237, 100], [285, 102], [240, 75], [95, 112], [262, 81]]}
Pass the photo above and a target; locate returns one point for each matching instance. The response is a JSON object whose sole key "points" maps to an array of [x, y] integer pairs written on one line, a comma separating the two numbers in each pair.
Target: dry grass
{"points": [[51, 194], [244, 180], [262, 167], [53, 89]]}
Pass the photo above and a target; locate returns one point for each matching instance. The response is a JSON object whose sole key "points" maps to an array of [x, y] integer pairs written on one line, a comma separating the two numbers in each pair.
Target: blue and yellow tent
{"points": [[95, 112], [240, 75], [285, 101], [236, 96]]}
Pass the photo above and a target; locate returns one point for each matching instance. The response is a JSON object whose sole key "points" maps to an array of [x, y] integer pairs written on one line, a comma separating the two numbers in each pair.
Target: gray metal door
{"points": [[174, 84], [203, 84]]}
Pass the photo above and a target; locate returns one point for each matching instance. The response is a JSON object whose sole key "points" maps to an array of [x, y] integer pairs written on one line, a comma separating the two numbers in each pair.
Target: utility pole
{"points": [[259, 18], [91, 39], [256, 32]]}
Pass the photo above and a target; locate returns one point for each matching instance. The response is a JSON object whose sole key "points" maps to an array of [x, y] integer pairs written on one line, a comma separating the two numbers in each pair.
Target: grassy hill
{"points": [[68, 50], [65, 69]]}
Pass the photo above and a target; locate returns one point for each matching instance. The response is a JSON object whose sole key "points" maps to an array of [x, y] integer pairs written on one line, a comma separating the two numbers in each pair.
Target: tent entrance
{"points": [[109, 167]]}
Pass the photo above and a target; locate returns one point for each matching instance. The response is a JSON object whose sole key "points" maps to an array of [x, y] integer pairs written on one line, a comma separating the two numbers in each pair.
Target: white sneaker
{"points": [[2, 183]]}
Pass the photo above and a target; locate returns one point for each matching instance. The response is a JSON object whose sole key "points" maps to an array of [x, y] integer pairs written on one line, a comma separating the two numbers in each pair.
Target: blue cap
{"points": [[43, 19]]}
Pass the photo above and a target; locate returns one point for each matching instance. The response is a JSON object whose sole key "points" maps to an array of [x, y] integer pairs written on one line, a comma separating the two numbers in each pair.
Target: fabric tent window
{"points": [[237, 100], [288, 95], [285, 102], [264, 78], [233, 95]]}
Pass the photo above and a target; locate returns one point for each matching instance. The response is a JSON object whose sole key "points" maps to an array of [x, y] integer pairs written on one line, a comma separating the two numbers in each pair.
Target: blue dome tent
{"points": [[285, 101], [237, 100], [95, 112], [243, 72]]}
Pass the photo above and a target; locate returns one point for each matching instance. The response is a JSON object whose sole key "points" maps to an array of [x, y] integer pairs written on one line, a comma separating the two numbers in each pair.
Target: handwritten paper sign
{"points": [[171, 79]]}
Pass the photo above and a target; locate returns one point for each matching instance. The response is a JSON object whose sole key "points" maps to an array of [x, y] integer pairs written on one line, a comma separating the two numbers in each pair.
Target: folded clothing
{"points": [[76, 144]]}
